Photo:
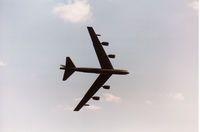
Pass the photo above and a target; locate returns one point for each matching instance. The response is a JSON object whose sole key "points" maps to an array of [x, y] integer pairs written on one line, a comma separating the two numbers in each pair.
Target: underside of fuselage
{"points": [[99, 70]]}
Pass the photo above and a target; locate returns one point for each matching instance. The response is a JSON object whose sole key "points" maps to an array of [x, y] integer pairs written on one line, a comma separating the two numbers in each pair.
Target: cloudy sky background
{"points": [[155, 40]]}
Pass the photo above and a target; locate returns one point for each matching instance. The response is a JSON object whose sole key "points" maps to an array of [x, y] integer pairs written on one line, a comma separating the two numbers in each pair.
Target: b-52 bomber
{"points": [[105, 71]]}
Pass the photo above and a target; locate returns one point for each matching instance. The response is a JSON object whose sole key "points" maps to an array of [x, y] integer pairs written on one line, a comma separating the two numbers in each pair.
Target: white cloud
{"points": [[107, 97], [111, 98], [149, 102], [177, 96], [64, 107], [70, 108], [90, 107], [93, 107], [77, 99], [194, 5], [2, 63], [74, 12]]}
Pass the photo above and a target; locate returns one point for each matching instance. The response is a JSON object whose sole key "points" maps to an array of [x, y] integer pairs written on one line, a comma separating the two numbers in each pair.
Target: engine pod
{"points": [[106, 87], [96, 97], [86, 105], [105, 43], [111, 55]]}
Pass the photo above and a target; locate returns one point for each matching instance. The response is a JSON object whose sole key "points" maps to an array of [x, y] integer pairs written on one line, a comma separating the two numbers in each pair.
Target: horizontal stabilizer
{"points": [[69, 68]]}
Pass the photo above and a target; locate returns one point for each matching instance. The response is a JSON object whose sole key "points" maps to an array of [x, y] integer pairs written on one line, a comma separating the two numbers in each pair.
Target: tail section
{"points": [[69, 68]]}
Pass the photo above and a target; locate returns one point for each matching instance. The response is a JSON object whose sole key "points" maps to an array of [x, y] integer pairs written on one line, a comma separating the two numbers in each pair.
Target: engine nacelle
{"points": [[86, 105], [111, 56], [106, 86], [96, 97], [105, 43]]}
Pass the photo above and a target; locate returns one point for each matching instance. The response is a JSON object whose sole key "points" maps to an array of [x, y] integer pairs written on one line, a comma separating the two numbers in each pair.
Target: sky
{"points": [[156, 41]]}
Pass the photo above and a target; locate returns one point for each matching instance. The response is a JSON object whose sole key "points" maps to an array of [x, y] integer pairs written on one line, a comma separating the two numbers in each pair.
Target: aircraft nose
{"points": [[126, 72]]}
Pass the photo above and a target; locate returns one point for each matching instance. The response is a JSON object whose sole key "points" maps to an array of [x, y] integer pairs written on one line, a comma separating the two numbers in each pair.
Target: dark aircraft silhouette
{"points": [[105, 71]]}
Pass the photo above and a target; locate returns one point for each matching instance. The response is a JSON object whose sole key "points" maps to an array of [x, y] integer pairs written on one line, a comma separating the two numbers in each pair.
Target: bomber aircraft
{"points": [[105, 71]]}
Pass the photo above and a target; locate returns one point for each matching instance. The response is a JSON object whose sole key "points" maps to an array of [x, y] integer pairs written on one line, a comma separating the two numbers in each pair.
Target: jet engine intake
{"points": [[106, 86], [96, 98], [111, 56], [105, 43]]}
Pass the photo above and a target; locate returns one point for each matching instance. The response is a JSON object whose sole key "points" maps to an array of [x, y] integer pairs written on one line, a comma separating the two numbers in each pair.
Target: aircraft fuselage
{"points": [[99, 70]]}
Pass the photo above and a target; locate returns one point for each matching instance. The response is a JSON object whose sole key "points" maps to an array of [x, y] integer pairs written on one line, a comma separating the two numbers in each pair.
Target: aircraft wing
{"points": [[93, 89], [101, 54]]}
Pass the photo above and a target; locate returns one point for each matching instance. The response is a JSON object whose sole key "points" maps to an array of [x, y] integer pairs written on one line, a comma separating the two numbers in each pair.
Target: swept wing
{"points": [[101, 54], [105, 64], [93, 89]]}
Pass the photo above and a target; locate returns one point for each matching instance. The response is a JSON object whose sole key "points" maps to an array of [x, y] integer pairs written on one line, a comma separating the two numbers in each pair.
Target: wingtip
{"points": [[76, 110], [89, 27]]}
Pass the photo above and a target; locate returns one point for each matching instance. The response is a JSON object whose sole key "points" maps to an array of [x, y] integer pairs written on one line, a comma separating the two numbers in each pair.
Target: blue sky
{"points": [[156, 41]]}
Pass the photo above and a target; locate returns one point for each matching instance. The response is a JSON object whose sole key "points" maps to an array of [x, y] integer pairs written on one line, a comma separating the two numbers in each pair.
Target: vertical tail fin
{"points": [[68, 68]]}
